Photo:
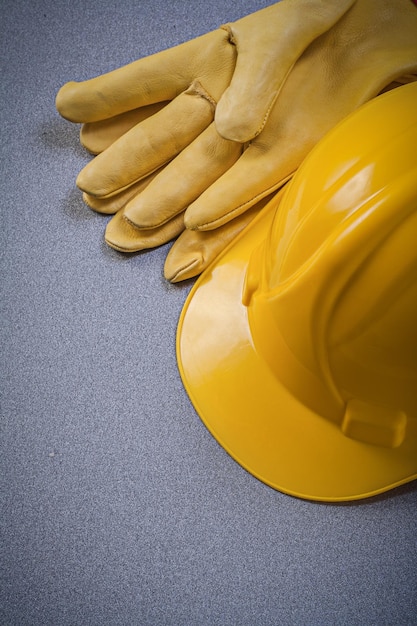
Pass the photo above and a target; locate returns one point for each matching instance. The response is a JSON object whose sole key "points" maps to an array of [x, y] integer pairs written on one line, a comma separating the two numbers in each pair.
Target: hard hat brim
{"points": [[252, 415]]}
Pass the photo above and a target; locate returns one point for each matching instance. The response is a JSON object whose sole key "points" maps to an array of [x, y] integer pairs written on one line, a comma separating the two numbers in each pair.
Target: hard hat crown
{"points": [[332, 292]]}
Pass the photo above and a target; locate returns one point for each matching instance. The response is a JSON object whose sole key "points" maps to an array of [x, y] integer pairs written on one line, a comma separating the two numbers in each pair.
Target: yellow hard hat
{"points": [[298, 346]]}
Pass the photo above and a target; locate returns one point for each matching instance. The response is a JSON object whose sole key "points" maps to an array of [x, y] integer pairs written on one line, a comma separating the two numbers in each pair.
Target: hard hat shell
{"points": [[298, 346]]}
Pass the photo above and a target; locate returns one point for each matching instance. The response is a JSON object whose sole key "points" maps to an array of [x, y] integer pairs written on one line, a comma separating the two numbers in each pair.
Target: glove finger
{"points": [[194, 251], [251, 178], [156, 78], [183, 179], [268, 44], [113, 204], [124, 237], [97, 136], [148, 145]]}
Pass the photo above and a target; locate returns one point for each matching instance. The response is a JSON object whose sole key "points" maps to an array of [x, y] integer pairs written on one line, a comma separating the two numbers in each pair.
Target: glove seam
{"points": [[245, 205], [197, 89], [229, 30], [183, 268], [151, 226]]}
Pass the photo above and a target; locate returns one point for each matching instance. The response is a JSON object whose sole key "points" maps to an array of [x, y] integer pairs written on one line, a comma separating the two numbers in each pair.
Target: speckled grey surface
{"points": [[118, 507]]}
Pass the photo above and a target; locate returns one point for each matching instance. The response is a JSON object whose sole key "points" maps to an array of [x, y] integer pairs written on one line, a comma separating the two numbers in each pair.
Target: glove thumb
{"points": [[268, 44]]}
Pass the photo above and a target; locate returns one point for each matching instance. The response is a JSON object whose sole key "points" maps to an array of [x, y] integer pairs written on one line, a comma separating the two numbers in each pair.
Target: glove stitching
{"points": [[231, 37], [245, 205], [135, 226], [197, 89], [183, 268], [152, 226], [273, 101]]}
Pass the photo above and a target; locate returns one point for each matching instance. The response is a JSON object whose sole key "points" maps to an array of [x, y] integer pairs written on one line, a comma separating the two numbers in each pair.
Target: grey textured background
{"points": [[118, 507]]}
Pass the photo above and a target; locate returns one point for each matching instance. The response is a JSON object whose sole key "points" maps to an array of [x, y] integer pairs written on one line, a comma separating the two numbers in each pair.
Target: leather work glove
{"points": [[170, 98], [224, 168]]}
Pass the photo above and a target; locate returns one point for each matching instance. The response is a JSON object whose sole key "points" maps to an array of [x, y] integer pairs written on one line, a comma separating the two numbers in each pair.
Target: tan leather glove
{"points": [[183, 86], [369, 46]]}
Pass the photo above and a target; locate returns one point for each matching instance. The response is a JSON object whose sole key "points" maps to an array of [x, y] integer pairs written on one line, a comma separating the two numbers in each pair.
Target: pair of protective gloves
{"points": [[192, 141]]}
